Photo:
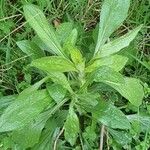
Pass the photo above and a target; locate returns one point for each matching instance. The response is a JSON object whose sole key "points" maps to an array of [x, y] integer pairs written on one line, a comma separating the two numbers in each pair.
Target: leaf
{"points": [[63, 31], [48, 135], [143, 119], [109, 115], [5, 101], [57, 92], [29, 135], [132, 90], [116, 62], [113, 13], [38, 22], [121, 137], [71, 127], [107, 75], [24, 110], [31, 89], [60, 78], [88, 100], [118, 44], [53, 64], [31, 49], [75, 54]]}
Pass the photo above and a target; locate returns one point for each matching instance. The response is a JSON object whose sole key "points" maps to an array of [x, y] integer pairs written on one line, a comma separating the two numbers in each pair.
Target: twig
{"points": [[102, 137], [56, 140]]}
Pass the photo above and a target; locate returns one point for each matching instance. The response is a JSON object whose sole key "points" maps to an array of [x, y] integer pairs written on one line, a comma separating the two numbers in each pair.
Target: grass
{"points": [[13, 75]]}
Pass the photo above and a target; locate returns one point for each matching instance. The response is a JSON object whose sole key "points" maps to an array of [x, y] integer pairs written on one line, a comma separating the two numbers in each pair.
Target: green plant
{"points": [[76, 94]]}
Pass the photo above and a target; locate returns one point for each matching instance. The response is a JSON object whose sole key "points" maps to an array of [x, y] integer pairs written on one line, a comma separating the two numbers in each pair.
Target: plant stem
{"points": [[56, 140], [102, 137]]}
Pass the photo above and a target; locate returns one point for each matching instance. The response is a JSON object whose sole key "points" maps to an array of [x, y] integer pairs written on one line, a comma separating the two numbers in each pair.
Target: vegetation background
{"points": [[14, 76]]}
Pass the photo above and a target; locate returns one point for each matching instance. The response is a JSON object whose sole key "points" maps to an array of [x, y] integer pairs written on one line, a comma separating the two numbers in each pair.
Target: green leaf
{"points": [[75, 54], [63, 31], [71, 127], [88, 100], [57, 92], [131, 89], [38, 22], [24, 110], [118, 44], [116, 62], [113, 13], [142, 119], [31, 89], [121, 137], [107, 75], [31, 49], [110, 116], [5, 101], [29, 135], [54, 64], [60, 78]]}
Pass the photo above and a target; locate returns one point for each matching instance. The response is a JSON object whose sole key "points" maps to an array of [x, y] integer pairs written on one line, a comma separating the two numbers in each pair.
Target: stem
{"points": [[55, 143], [102, 137]]}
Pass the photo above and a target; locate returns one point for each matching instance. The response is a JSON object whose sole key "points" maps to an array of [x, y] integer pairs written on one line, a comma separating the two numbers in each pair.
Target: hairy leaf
{"points": [[63, 31], [29, 135], [121, 137], [57, 92], [23, 111], [132, 90], [107, 75], [118, 44], [110, 116], [116, 62], [31, 49], [113, 13], [60, 78], [71, 127], [54, 64], [38, 22]]}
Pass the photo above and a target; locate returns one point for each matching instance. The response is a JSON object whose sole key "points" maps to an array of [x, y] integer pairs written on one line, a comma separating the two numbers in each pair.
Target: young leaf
{"points": [[57, 92], [31, 49], [131, 89], [110, 116], [71, 127], [118, 44], [38, 22], [108, 75], [24, 110], [116, 62], [113, 13], [54, 64]]}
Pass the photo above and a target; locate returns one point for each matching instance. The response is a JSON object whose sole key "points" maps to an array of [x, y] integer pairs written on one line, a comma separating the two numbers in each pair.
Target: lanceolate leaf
{"points": [[56, 91], [31, 49], [132, 90], [23, 111], [118, 44], [38, 22], [110, 116], [107, 75], [60, 78], [113, 13], [116, 62], [54, 64], [71, 127], [29, 135]]}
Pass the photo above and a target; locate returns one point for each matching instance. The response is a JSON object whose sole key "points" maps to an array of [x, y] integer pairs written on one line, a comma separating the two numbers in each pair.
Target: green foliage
{"points": [[113, 13], [65, 106]]}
